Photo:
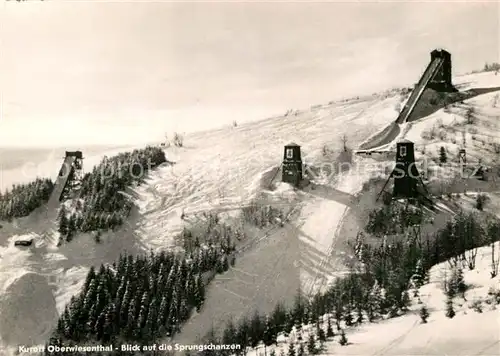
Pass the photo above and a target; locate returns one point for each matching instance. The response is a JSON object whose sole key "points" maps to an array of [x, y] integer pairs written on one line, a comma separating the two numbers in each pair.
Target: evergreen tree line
{"points": [[214, 233], [262, 215], [22, 199], [103, 203], [138, 299], [377, 288], [491, 67], [390, 219]]}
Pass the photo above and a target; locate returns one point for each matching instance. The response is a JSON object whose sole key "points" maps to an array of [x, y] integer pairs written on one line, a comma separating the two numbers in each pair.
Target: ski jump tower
{"points": [[436, 76], [71, 168]]}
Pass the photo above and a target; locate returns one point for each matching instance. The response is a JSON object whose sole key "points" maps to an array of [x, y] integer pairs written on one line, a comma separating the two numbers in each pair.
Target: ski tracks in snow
{"points": [[327, 258], [395, 342]]}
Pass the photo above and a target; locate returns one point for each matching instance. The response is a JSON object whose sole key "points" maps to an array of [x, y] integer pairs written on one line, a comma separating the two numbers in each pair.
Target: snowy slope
{"points": [[37, 282], [221, 165], [450, 124], [469, 333], [220, 169], [213, 167]]}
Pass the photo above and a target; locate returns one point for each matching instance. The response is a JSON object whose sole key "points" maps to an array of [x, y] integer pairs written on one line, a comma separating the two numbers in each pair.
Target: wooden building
{"points": [[292, 164]]}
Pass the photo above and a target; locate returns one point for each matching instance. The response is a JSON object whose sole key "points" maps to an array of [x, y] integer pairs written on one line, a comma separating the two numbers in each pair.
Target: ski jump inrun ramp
{"points": [[436, 76], [429, 74], [62, 180]]}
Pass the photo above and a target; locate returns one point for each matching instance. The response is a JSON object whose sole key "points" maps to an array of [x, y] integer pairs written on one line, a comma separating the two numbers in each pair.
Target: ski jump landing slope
{"points": [[61, 182]]}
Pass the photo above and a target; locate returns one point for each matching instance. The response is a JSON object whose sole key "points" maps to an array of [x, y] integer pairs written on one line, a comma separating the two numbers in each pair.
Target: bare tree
{"points": [[494, 261], [471, 258], [344, 142], [493, 235], [178, 140]]}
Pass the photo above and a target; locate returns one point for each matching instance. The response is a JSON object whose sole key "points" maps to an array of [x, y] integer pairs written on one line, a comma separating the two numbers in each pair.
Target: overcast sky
{"points": [[153, 65]]}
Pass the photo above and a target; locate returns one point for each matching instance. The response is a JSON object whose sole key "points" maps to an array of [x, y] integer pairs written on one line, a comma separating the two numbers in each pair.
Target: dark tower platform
{"points": [[292, 164], [441, 81], [408, 183], [405, 173]]}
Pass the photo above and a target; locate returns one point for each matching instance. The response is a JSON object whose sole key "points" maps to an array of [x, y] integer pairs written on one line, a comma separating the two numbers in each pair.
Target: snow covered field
{"points": [[216, 170], [224, 164]]}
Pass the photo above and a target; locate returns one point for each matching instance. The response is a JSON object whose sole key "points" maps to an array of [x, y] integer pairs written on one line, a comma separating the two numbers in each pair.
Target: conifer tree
{"points": [[63, 221], [343, 339], [71, 228], [424, 314], [320, 332], [338, 311], [405, 300], [98, 237], [329, 329], [257, 329], [442, 155], [348, 315], [229, 334], [131, 318], [450, 312], [418, 278], [151, 320], [60, 326], [200, 293], [268, 337], [242, 334], [279, 318], [291, 349], [289, 321], [311, 344], [99, 326], [359, 315], [301, 351], [457, 281]]}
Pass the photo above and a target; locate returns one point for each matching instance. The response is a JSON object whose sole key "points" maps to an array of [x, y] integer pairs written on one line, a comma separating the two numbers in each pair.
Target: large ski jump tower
{"points": [[436, 76], [292, 164]]}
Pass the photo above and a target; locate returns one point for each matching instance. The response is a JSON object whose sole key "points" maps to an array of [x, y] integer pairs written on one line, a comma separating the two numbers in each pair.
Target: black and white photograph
{"points": [[249, 178]]}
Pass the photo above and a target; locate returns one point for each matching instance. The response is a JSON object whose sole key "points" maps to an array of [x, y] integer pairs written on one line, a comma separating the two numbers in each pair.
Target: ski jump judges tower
{"points": [[407, 181], [71, 168], [292, 164]]}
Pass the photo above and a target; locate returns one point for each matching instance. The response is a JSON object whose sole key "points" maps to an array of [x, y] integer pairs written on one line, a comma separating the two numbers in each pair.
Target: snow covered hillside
{"points": [[222, 170], [475, 329], [212, 169]]}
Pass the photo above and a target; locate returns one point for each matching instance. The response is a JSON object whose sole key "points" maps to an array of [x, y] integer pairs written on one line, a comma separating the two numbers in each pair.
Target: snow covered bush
{"points": [[477, 305], [178, 139]]}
